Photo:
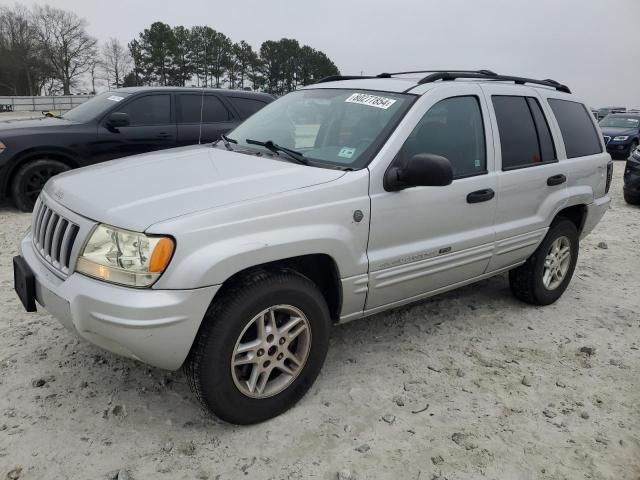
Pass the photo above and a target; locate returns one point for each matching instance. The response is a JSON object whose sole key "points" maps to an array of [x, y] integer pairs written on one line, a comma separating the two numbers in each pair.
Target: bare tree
{"points": [[66, 43], [116, 62]]}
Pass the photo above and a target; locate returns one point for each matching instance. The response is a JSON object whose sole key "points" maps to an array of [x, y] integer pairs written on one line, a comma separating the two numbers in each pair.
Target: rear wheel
{"points": [[31, 178], [260, 348], [547, 273]]}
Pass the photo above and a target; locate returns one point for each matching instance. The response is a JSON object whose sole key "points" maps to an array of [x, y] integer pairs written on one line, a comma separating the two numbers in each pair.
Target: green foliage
{"points": [[204, 57]]}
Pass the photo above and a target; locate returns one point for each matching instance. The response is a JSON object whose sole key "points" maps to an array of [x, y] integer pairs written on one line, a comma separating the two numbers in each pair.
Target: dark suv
{"points": [[115, 124], [621, 133], [631, 187]]}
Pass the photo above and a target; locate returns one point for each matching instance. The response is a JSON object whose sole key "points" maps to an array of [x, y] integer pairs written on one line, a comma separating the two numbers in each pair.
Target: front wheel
{"points": [[260, 348], [547, 273], [29, 181]]}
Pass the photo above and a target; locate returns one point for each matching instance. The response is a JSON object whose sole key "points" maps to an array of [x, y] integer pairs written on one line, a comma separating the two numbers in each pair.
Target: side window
{"points": [[452, 128], [246, 106], [189, 105], [525, 138], [149, 110], [578, 132]]}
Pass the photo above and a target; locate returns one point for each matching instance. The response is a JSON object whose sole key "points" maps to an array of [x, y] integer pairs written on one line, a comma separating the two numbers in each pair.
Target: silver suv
{"points": [[337, 201]]}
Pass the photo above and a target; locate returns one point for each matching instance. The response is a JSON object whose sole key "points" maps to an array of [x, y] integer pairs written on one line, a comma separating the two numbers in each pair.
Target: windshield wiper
{"points": [[226, 140], [275, 148]]}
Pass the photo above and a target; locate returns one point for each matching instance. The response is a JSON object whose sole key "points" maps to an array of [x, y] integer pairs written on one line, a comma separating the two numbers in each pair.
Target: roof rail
{"points": [[389, 75], [336, 78], [447, 76]]}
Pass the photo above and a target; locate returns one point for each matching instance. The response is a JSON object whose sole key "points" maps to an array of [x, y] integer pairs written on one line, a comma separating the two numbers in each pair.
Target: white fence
{"points": [[39, 104]]}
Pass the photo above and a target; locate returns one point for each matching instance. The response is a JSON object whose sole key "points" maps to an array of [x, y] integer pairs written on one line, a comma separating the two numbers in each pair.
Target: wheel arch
{"points": [[55, 153], [320, 268], [575, 213]]}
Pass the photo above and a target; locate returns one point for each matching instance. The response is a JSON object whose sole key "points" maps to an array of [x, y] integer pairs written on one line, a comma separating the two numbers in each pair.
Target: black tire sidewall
{"points": [[562, 228], [217, 386], [18, 183]]}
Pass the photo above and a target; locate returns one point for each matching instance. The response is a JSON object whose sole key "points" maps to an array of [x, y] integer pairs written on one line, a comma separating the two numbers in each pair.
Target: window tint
{"points": [[525, 138], [188, 109], [579, 135], [247, 106], [452, 128], [149, 110]]}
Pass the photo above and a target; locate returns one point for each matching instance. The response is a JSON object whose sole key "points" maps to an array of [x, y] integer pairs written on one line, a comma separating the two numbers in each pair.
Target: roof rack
{"points": [[447, 76]]}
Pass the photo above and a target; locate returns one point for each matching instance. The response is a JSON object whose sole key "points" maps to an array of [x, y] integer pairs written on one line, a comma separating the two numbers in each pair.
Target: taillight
{"points": [[609, 176]]}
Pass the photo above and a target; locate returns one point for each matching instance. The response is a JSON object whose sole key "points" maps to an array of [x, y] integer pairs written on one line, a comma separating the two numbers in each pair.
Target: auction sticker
{"points": [[346, 152], [115, 98], [371, 100]]}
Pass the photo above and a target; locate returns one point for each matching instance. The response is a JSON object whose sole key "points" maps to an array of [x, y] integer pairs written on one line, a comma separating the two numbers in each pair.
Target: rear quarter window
{"points": [[576, 125]]}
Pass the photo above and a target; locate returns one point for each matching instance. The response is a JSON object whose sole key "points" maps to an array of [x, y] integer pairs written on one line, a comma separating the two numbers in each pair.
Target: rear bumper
{"points": [[595, 211], [154, 326]]}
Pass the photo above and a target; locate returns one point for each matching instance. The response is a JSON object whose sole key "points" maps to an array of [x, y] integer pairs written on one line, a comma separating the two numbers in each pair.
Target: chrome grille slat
{"points": [[53, 236]]}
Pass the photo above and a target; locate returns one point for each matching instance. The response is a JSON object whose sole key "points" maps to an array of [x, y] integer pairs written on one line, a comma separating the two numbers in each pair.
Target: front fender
{"points": [[212, 246]]}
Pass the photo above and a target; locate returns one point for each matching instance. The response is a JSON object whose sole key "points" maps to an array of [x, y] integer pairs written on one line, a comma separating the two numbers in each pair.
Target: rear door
{"points": [[151, 127], [202, 118], [531, 181]]}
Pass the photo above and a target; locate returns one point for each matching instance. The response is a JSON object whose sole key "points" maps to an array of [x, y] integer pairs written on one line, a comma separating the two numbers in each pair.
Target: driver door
{"points": [[426, 239]]}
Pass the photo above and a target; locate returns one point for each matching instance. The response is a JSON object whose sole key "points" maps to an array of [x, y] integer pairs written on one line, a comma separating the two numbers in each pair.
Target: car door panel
{"points": [[202, 118], [526, 196], [151, 129], [425, 238]]}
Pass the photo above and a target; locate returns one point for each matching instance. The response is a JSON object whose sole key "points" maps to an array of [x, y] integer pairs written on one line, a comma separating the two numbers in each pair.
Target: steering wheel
{"points": [[365, 142]]}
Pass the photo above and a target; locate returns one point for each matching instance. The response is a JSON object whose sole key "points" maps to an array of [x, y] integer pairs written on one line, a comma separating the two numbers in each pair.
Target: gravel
{"points": [[58, 430]]}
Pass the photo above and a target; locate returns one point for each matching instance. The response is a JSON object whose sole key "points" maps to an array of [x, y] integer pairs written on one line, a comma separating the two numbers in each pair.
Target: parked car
{"points": [[603, 112], [335, 202], [631, 188], [621, 133], [114, 124]]}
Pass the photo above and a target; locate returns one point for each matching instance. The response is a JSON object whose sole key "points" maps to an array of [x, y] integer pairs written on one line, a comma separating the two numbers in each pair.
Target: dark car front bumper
{"points": [[619, 149]]}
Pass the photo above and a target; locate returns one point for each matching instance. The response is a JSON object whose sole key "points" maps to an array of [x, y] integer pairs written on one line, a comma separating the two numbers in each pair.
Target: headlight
{"points": [[2, 147], [124, 257], [620, 138]]}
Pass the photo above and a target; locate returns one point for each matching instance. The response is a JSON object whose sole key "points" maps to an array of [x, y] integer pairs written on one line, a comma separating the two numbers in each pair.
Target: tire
{"points": [[29, 180], [527, 281], [632, 148], [631, 200], [230, 320]]}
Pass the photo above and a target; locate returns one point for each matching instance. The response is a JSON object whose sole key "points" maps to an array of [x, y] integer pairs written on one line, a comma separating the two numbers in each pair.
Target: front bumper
{"points": [[617, 149], [154, 326], [595, 211]]}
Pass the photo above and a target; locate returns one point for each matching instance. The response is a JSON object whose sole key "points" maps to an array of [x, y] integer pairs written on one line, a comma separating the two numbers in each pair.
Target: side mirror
{"points": [[118, 119], [422, 170]]}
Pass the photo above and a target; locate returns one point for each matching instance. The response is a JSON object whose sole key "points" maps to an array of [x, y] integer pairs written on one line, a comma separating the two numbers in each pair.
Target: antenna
{"points": [[201, 109]]}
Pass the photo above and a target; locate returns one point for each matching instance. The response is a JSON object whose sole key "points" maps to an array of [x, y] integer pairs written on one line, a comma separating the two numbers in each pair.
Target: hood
{"points": [[614, 131], [136, 192], [27, 126]]}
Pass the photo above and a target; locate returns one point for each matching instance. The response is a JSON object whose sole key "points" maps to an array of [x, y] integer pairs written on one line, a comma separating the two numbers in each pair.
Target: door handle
{"points": [[481, 196], [556, 180], [164, 135]]}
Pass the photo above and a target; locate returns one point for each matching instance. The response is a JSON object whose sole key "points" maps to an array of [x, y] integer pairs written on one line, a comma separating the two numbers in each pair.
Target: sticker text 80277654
{"points": [[371, 100]]}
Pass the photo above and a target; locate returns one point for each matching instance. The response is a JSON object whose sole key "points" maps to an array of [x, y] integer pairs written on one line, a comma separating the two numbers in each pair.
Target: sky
{"points": [[590, 45]]}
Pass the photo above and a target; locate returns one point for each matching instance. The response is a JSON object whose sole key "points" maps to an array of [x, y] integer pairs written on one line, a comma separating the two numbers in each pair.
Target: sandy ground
{"points": [[470, 384]]}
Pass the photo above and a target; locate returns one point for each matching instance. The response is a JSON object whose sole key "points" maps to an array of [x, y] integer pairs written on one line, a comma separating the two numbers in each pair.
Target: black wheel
{"points": [[547, 273], [30, 179], [260, 348], [631, 199]]}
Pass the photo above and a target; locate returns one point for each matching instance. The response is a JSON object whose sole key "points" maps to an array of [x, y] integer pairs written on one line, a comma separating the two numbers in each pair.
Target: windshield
{"points": [[620, 122], [95, 107], [335, 126]]}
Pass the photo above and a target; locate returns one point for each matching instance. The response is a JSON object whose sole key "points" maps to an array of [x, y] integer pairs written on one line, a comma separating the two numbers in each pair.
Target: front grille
{"points": [[53, 236], [607, 139]]}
